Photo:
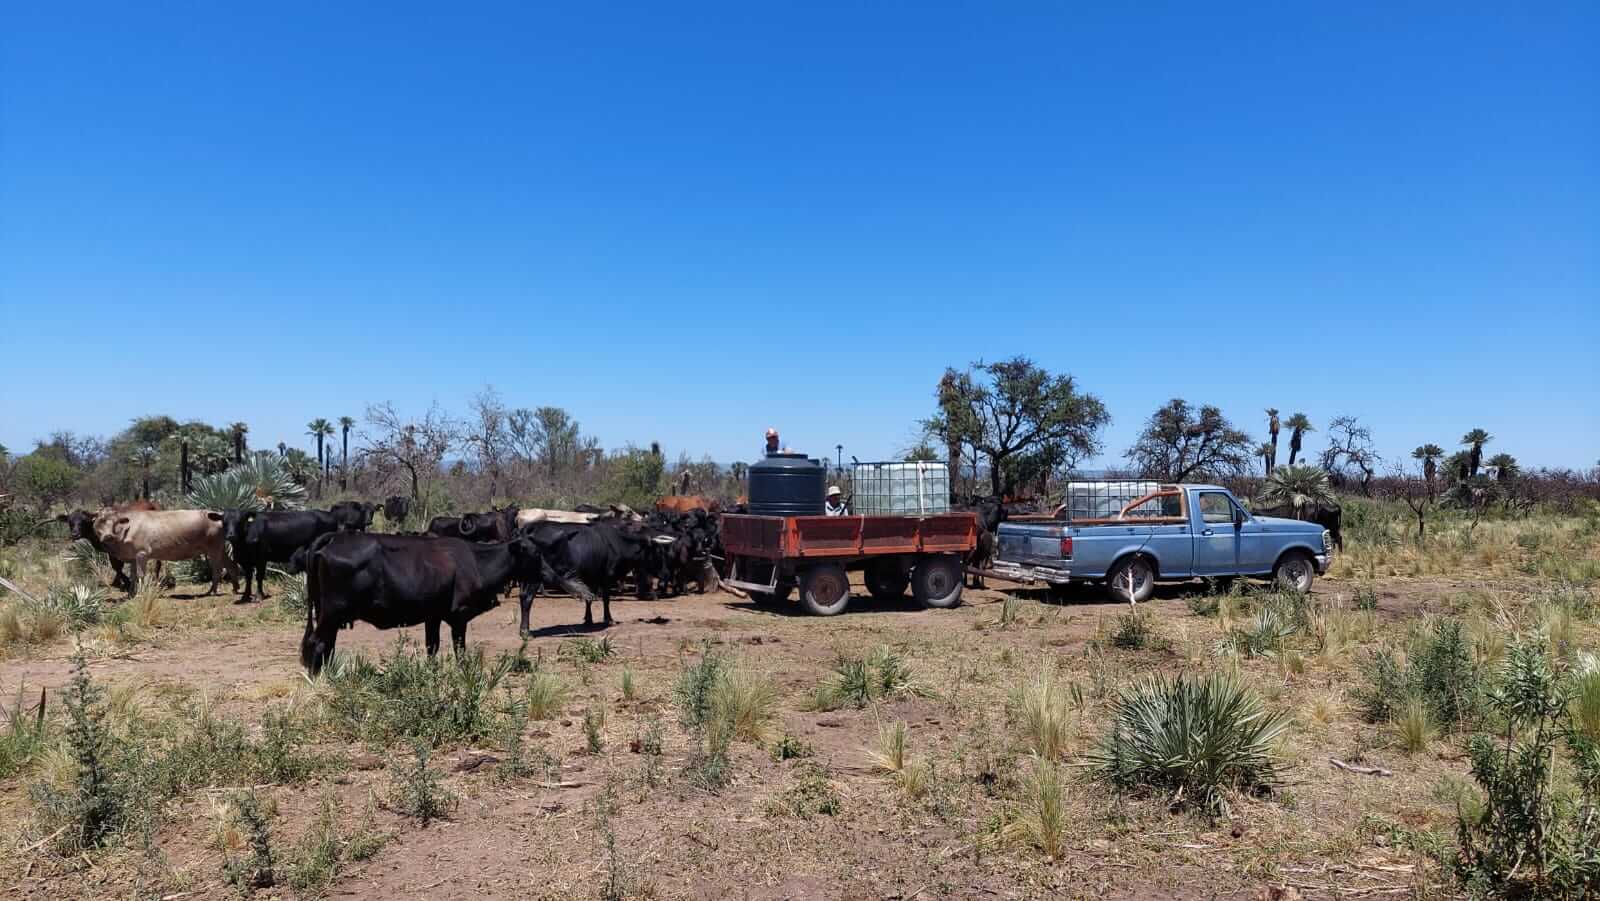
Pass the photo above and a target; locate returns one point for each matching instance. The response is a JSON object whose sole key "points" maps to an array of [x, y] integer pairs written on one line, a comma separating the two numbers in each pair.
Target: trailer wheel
{"points": [[937, 581], [825, 589], [887, 580]]}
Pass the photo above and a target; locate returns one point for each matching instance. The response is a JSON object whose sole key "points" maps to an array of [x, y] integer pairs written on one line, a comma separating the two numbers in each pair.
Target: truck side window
{"points": [[1215, 507]]}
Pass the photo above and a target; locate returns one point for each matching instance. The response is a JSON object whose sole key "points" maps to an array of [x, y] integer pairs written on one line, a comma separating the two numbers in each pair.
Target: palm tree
{"points": [[1265, 451], [1300, 487], [1272, 427], [319, 429], [1474, 442], [1429, 454], [1298, 426], [1505, 467], [345, 425], [238, 430]]}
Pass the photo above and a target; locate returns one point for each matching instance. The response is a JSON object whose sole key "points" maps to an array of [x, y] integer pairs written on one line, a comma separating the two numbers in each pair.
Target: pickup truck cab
{"points": [[1173, 533]]}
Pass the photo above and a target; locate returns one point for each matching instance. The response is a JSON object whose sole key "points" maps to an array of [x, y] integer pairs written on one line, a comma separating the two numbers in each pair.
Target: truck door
{"points": [[1217, 544]]}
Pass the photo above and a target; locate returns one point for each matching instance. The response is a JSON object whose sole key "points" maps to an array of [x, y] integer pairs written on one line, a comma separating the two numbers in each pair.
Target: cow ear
{"points": [[214, 516]]}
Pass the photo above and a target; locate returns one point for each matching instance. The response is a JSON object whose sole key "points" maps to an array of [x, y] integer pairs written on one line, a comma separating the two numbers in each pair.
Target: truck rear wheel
{"points": [[887, 580], [1132, 581], [825, 589], [1294, 572], [937, 581]]}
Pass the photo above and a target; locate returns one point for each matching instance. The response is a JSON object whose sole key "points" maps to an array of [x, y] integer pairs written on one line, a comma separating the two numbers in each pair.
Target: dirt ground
{"points": [[674, 840]]}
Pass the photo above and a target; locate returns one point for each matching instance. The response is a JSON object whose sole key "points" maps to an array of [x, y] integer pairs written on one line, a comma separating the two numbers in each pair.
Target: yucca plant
{"points": [[1299, 488], [261, 482], [80, 605], [1194, 738]]}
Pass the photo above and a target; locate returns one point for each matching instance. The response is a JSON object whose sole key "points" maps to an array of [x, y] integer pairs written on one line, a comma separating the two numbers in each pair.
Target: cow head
{"points": [[80, 524], [236, 526]]}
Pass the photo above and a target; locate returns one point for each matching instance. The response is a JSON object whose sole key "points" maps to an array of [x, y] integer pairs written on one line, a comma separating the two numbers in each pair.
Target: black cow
{"points": [[394, 581], [1330, 518], [396, 509], [353, 516], [444, 527], [585, 559], [80, 526], [496, 525], [991, 513], [272, 536]]}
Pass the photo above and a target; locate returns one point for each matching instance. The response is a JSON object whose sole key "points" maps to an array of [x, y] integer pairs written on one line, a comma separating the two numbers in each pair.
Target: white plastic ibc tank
{"points": [[900, 488]]}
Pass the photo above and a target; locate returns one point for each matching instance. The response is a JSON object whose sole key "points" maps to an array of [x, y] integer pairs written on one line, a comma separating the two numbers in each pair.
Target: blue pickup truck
{"points": [[1168, 533]]}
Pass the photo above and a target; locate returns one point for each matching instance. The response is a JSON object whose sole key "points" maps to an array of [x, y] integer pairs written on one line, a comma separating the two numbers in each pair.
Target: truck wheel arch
{"points": [[1137, 594]]}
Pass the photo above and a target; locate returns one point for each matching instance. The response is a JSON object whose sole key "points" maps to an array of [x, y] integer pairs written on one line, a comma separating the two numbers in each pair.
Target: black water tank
{"points": [[787, 485]]}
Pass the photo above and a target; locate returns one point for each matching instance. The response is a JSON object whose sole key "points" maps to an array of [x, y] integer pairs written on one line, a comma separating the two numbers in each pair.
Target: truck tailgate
{"points": [[1031, 544]]}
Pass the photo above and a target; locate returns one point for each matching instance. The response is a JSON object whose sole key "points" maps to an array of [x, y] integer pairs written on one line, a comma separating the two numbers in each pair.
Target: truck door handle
{"points": [[1207, 532]]}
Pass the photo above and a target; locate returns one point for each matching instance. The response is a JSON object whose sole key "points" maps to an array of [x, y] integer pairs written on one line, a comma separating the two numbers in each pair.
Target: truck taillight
{"points": [[1066, 548]]}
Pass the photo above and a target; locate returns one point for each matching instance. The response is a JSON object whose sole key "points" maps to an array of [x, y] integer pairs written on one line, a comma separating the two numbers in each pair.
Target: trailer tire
{"points": [[1143, 577], [887, 579], [937, 581], [825, 589]]}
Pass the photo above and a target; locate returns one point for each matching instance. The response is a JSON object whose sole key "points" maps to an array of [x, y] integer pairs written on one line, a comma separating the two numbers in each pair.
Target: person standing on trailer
{"points": [[836, 505]]}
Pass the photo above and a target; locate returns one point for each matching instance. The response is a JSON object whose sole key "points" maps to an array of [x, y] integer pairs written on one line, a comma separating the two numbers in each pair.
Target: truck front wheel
{"points": [[1294, 572], [825, 589], [937, 581], [1132, 581]]}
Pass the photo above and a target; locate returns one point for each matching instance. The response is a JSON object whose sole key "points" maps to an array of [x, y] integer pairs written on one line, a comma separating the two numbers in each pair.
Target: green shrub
{"points": [[1193, 738], [811, 794], [1533, 836], [1133, 631], [585, 650], [254, 871], [860, 681], [418, 791], [1439, 670], [98, 805], [409, 696]]}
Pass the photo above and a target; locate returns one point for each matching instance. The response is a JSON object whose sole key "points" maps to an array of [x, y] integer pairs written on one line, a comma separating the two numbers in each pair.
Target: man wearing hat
{"points": [[836, 505]]}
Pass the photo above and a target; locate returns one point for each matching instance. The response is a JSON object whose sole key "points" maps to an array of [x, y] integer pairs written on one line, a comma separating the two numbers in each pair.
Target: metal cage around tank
{"points": [[900, 488]]}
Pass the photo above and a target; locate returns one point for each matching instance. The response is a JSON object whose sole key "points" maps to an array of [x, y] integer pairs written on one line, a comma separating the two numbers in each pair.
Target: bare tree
{"points": [[486, 436], [415, 447], [1419, 494], [1177, 443], [1350, 452]]}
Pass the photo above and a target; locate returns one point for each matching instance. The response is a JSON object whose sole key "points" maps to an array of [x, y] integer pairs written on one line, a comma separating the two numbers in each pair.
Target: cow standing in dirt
{"points": [[142, 537]]}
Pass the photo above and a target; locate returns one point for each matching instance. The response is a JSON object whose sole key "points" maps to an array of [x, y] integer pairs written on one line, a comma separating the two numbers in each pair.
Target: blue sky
{"points": [[687, 223]]}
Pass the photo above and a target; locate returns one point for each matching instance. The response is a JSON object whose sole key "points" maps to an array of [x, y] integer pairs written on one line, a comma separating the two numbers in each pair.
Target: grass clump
{"points": [[1132, 632], [409, 697], [545, 697], [1413, 724], [1041, 821], [1193, 738], [586, 650], [719, 702], [811, 794], [1042, 711], [890, 753], [24, 735], [594, 724], [861, 680]]}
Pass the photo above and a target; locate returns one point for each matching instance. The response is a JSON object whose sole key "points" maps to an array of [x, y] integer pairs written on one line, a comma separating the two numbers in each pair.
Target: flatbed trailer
{"points": [[771, 556]]}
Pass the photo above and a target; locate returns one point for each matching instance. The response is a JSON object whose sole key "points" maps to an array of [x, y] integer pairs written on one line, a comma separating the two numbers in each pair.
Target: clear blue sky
{"points": [[685, 223]]}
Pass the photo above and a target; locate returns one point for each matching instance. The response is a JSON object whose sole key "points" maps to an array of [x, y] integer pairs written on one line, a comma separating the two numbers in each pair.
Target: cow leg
{"points": [[605, 602], [261, 579], [527, 607], [430, 636], [316, 648], [458, 637], [119, 579]]}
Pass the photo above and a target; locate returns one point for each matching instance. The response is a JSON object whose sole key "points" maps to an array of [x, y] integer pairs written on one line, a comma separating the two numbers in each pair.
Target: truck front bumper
{"points": [[1027, 575], [1322, 561]]}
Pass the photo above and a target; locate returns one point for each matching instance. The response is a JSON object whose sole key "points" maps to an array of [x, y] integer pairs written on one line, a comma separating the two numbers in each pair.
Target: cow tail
{"points": [[313, 592]]}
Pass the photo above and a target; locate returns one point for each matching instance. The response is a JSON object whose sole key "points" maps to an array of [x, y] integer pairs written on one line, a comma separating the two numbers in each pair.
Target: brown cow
{"points": [[80, 526], [147, 536], [684, 503]]}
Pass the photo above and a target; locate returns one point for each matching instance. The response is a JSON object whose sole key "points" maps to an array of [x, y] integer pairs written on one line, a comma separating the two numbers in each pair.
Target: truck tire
{"points": [[1294, 572], [937, 581], [887, 580], [1138, 571], [825, 589]]}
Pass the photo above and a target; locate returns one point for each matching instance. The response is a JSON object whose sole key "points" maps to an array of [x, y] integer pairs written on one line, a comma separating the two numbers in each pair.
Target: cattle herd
{"points": [[449, 573]]}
